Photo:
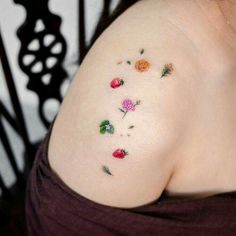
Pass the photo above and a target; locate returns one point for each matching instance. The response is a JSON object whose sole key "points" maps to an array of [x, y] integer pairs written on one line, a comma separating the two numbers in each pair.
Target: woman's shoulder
{"points": [[120, 123]]}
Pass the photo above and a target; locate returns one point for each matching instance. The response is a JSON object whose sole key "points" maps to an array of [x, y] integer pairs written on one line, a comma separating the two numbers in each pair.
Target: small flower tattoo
{"points": [[167, 70], [128, 105], [116, 82], [106, 170], [142, 65], [120, 153], [105, 126]]}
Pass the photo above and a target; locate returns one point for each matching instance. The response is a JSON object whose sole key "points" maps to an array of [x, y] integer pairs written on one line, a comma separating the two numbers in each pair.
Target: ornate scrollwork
{"points": [[42, 52]]}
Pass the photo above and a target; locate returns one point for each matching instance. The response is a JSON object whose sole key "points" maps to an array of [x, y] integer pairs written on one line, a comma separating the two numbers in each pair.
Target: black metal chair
{"points": [[12, 221]]}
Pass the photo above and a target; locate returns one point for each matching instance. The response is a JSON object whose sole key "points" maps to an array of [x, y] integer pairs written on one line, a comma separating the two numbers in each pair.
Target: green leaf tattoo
{"points": [[105, 126], [105, 122], [129, 62], [141, 51], [106, 170], [103, 130], [121, 110]]}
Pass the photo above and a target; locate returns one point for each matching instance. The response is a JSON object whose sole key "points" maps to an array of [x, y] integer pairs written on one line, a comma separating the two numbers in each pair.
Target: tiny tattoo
{"points": [[128, 105], [131, 127], [168, 68], [120, 153], [142, 65], [128, 135], [106, 170], [129, 62], [141, 51], [116, 82], [105, 126]]}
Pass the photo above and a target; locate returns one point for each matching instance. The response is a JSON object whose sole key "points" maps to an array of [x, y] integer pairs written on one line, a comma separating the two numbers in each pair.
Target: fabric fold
{"points": [[52, 208]]}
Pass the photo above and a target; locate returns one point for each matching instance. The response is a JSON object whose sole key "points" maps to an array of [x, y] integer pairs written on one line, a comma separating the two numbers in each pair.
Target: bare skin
{"points": [[183, 140]]}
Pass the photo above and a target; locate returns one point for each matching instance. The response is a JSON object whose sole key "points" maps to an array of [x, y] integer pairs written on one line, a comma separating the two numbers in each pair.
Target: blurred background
{"points": [[42, 43]]}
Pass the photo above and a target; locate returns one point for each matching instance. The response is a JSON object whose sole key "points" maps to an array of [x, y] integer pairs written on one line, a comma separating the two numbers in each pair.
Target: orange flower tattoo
{"points": [[142, 65]]}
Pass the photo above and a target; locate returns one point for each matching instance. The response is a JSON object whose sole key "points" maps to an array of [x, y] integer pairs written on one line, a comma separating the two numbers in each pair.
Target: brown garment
{"points": [[53, 209]]}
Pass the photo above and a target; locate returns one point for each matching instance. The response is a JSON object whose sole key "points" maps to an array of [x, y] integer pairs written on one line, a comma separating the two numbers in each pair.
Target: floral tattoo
{"points": [[167, 70], [142, 65], [128, 105], [105, 126]]}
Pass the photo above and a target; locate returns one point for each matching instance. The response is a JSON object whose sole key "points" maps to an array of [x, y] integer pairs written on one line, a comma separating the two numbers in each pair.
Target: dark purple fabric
{"points": [[52, 208]]}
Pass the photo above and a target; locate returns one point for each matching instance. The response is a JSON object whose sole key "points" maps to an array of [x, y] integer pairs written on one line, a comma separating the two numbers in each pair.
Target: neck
{"points": [[228, 8], [222, 15]]}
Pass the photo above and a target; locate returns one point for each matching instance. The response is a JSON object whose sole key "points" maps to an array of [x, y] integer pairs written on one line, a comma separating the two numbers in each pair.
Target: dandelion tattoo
{"points": [[128, 105], [167, 70]]}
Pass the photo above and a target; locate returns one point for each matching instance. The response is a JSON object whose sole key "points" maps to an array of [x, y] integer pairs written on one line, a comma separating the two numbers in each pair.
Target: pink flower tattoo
{"points": [[128, 105]]}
